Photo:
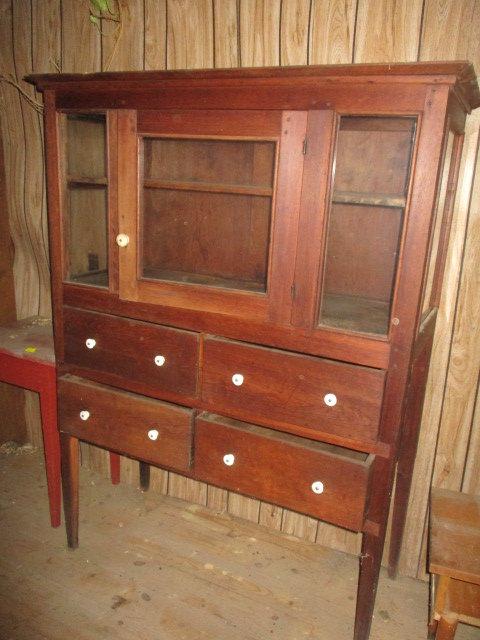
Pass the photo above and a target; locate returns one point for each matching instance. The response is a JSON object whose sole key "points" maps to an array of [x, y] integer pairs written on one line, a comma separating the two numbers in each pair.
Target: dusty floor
{"points": [[154, 568]]}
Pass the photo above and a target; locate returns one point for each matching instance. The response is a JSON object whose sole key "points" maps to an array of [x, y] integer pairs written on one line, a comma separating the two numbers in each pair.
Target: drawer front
{"points": [[127, 351], [274, 387], [293, 472], [141, 427]]}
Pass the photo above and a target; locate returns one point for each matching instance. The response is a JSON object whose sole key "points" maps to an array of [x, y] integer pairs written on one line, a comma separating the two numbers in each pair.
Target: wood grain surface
{"points": [[226, 33]]}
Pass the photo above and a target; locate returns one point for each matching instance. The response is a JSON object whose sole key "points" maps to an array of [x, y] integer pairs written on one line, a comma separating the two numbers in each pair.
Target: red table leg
{"points": [[114, 468]]}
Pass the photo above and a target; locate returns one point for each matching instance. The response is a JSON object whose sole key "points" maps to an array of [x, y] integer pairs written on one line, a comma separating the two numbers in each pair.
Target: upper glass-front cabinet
{"points": [[85, 198], [363, 231]]}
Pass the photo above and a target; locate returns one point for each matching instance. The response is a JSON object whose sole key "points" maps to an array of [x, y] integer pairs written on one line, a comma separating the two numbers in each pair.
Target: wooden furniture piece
{"points": [[27, 360], [247, 266], [454, 561]]}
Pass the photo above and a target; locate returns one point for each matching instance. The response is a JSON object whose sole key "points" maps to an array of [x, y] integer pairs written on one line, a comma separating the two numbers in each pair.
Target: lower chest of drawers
{"points": [[311, 477]]}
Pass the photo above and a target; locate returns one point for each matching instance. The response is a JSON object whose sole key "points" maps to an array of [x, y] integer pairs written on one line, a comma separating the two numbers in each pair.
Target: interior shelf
{"points": [[354, 313], [203, 279], [94, 278], [209, 187], [373, 199], [82, 181]]}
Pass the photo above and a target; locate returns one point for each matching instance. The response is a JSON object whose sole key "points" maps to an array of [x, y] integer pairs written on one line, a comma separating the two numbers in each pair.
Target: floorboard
{"points": [[151, 567]]}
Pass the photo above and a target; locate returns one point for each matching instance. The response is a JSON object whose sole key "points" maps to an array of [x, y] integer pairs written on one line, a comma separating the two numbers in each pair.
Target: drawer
{"points": [[140, 427], [268, 386], [128, 351], [321, 480]]}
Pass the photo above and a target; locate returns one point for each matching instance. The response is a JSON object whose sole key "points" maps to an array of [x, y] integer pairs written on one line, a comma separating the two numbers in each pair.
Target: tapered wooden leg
{"points": [[370, 560], [144, 469], [114, 468], [70, 477], [446, 628]]}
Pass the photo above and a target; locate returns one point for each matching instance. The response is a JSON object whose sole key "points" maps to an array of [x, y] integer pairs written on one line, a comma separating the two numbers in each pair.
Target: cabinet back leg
{"points": [[370, 560], [70, 479], [144, 469]]}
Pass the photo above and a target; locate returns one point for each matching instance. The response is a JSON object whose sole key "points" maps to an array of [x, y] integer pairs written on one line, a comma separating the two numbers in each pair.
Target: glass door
{"points": [[208, 222], [358, 170]]}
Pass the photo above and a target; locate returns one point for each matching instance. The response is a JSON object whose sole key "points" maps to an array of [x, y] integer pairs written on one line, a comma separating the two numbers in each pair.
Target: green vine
{"points": [[101, 14]]}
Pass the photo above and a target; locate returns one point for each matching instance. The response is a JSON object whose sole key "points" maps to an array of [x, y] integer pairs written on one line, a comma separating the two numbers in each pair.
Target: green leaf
{"points": [[94, 19], [100, 5]]}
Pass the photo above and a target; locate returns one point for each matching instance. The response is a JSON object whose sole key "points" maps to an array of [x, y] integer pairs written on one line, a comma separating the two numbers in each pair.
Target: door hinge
{"points": [[304, 149]]}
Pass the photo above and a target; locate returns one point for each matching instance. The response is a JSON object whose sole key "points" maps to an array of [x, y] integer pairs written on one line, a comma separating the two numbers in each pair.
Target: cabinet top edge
{"points": [[461, 73]]}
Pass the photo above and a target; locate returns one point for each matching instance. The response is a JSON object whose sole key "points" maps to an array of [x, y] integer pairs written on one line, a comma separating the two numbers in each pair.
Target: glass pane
{"points": [[365, 224], [87, 236], [207, 212], [86, 199]]}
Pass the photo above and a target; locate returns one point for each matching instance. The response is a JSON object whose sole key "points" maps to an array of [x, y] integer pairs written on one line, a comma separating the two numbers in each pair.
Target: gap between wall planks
{"points": [[227, 33]]}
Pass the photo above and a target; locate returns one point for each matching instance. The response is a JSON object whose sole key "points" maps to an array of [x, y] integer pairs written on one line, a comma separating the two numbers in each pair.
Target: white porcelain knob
{"points": [[90, 343], [229, 459], [159, 360], [317, 486], [330, 399], [84, 415], [122, 239], [153, 434], [237, 379]]}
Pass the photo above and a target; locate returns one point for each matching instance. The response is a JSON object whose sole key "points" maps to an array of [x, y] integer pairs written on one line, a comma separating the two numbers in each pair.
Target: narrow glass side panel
{"points": [[86, 199], [365, 224], [206, 211]]}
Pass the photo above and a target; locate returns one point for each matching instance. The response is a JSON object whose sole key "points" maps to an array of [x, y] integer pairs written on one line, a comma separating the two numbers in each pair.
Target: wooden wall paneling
{"points": [[332, 30], [155, 47], [81, 51], [225, 29], [189, 34], [464, 366], [387, 30], [294, 31], [451, 31], [126, 51], [15, 54], [259, 33], [12, 399]]}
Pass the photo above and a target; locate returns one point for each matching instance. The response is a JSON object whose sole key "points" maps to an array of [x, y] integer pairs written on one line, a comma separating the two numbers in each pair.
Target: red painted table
{"points": [[27, 360]]}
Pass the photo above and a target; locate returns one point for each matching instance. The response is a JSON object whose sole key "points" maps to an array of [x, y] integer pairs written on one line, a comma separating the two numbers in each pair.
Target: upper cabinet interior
{"points": [[370, 176]]}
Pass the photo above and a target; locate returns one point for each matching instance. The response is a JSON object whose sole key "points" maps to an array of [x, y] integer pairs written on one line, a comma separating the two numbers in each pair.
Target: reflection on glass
{"points": [[365, 223], [86, 209], [206, 211]]}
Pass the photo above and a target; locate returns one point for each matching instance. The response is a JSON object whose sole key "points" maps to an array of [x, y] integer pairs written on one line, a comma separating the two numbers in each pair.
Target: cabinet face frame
{"points": [[275, 302]]}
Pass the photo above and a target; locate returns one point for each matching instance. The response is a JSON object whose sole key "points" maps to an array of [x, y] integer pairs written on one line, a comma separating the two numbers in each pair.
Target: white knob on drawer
{"points": [[317, 486], [90, 343], [84, 415], [122, 239], [229, 459], [237, 379], [330, 399], [159, 360], [153, 434]]}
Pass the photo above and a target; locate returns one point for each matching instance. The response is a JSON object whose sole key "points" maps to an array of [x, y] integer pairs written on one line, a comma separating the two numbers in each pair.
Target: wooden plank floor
{"points": [[154, 568]]}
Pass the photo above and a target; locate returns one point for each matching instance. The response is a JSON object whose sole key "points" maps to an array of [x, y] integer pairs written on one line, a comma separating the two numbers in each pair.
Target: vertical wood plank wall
{"points": [[48, 35]]}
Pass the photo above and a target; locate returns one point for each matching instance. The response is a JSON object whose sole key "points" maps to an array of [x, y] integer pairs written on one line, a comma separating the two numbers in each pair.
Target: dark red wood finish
{"points": [[286, 388], [121, 421], [125, 350], [282, 469]]}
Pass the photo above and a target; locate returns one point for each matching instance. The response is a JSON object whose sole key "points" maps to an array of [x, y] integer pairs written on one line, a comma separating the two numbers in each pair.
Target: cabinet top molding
{"points": [[459, 74]]}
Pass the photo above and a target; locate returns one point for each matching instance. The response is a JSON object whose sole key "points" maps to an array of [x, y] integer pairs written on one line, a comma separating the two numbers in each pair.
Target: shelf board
{"points": [[209, 187], [355, 313], [93, 278], [184, 277], [82, 181], [373, 199]]}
